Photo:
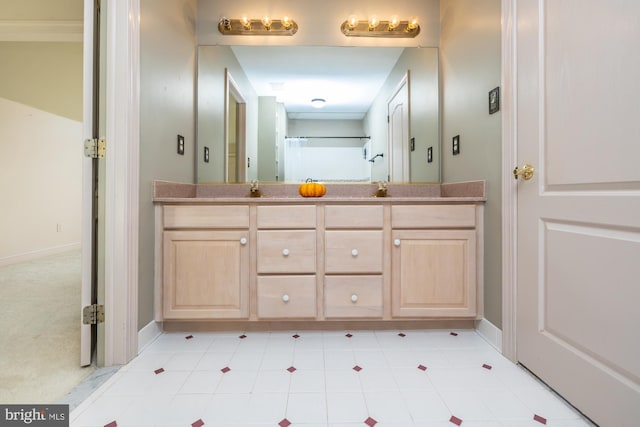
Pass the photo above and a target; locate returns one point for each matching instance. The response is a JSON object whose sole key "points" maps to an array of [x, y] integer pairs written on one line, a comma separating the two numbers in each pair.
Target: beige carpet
{"points": [[40, 329]]}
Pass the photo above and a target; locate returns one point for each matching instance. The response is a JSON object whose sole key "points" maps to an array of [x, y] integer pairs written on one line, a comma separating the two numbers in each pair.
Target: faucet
{"points": [[254, 191], [382, 189]]}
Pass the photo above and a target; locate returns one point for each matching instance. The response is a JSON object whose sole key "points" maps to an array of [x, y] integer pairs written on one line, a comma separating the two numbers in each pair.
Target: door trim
{"points": [[509, 189], [122, 181]]}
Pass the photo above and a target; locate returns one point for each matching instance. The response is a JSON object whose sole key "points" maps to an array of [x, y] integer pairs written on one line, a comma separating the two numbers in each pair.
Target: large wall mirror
{"points": [[379, 120]]}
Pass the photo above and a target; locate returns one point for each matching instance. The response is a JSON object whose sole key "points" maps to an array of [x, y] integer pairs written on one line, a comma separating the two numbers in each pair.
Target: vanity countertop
{"points": [[166, 192]]}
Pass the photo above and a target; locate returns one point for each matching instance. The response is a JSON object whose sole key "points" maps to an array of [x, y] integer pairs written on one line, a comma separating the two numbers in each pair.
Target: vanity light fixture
{"points": [[264, 26], [318, 102], [373, 27]]}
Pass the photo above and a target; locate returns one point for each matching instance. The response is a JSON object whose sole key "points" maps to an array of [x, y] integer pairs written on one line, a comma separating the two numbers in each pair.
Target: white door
{"points": [[91, 336], [578, 252], [398, 116]]}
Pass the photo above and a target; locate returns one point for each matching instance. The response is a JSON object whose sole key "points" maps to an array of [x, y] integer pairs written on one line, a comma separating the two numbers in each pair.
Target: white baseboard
{"points": [[490, 333], [29, 256], [148, 334]]}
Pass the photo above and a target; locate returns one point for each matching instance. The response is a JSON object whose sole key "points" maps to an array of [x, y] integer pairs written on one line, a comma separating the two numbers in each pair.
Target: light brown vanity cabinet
{"points": [[286, 262], [206, 254], [433, 262], [353, 261]]}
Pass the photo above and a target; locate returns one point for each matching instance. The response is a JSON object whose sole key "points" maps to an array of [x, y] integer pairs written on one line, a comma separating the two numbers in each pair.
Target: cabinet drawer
{"points": [[353, 251], [287, 217], [206, 216], [433, 216], [354, 216], [353, 296], [292, 251], [286, 296]]}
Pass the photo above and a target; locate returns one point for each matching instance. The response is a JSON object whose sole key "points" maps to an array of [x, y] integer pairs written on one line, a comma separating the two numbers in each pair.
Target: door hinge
{"points": [[95, 148], [93, 314]]}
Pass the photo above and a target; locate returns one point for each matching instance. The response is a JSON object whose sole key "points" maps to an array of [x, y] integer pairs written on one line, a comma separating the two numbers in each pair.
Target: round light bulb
{"points": [[246, 23], [266, 21], [286, 22], [413, 23], [373, 23], [394, 22], [352, 22]]}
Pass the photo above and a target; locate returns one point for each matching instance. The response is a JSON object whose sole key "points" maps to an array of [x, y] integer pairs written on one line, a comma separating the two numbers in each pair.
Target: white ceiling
{"points": [[348, 78]]}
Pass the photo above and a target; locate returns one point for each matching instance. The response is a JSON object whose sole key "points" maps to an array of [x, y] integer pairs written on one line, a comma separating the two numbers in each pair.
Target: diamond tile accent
{"points": [[225, 369], [188, 337], [284, 423], [402, 335], [455, 334], [291, 369], [348, 335], [296, 336], [422, 367], [159, 371], [539, 419], [357, 368], [243, 336], [485, 366], [370, 422], [455, 420], [111, 424], [197, 423]]}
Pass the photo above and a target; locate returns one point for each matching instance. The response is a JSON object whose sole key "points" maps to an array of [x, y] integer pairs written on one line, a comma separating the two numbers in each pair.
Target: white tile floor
{"points": [[382, 378]]}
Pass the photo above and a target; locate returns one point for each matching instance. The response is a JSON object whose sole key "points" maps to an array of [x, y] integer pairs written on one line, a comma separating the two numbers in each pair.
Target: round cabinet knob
{"points": [[354, 252], [285, 252], [396, 242], [354, 298], [285, 298], [243, 241]]}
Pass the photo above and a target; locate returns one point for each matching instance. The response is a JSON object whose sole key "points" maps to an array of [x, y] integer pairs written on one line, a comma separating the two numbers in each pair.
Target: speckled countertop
{"points": [[458, 192]]}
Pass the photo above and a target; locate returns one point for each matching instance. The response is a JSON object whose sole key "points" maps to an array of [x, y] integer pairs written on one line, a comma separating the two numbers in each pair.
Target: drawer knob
{"points": [[354, 298], [285, 298], [285, 252], [396, 242], [243, 241], [354, 252]]}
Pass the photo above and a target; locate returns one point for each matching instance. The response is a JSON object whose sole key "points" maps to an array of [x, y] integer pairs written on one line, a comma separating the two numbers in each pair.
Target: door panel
{"points": [[579, 216], [398, 117]]}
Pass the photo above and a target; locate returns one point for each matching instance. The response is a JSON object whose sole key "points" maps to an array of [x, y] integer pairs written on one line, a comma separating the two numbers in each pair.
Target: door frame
{"points": [[509, 188], [122, 77]]}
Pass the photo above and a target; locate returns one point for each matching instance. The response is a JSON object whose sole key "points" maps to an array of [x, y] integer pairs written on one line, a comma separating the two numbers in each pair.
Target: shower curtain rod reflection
{"points": [[328, 137]]}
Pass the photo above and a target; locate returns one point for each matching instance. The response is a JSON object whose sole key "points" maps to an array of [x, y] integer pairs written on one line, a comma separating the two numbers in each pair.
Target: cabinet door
{"points": [[434, 273], [206, 274]]}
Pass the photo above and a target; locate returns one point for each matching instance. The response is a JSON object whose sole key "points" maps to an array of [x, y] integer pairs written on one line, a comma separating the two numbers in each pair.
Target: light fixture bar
{"points": [[364, 28], [257, 27]]}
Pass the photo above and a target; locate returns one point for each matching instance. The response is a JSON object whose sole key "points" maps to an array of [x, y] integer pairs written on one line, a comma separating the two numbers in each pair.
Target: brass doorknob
{"points": [[526, 172]]}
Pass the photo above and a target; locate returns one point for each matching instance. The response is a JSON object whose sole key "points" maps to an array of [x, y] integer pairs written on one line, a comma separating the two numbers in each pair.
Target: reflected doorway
{"points": [[235, 132], [398, 120]]}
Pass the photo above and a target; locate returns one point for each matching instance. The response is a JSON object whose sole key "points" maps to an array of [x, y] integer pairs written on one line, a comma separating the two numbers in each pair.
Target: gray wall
{"points": [[167, 108], [212, 62], [422, 65], [471, 67]]}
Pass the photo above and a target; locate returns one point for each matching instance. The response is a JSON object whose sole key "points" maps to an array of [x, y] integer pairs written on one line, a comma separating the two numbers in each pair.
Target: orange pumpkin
{"points": [[312, 189]]}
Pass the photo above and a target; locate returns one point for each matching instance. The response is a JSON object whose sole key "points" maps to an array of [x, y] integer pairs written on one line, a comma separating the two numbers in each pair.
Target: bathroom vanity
{"points": [[227, 259]]}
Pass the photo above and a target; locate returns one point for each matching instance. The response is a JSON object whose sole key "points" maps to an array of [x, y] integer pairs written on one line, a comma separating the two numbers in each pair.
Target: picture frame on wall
{"points": [[494, 100]]}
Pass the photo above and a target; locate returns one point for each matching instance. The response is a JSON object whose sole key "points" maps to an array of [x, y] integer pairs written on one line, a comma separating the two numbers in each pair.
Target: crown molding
{"points": [[41, 31]]}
